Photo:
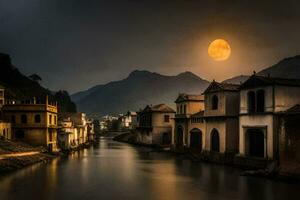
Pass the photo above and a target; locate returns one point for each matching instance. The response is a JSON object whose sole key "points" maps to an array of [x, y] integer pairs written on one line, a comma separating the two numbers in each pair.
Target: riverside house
{"points": [[79, 127], [221, 117], [33, 121], [155, 125], [189, 129], [269, 119]]}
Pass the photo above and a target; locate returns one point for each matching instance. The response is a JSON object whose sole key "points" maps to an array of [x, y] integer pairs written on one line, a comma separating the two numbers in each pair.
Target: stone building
{"points": [[67, 135], [289, 140], [33, 121], [5, 130], [221, 117], [265, 117], [155, 125], [189, 124], [80, 124]]}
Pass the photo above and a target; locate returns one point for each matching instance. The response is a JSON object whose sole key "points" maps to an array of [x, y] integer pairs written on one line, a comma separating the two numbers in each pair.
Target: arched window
{"points": [[37, 118], [260, 99], [215, 141], [24, 119], [214, 102], [251, 102]]}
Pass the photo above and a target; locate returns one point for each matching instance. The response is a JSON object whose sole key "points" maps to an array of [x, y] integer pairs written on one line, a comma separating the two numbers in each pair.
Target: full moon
{"points": [[219, 50]]}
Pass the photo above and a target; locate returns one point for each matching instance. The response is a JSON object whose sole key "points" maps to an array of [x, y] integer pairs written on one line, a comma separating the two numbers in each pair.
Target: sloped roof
{"points": [[256, 81], [294, 109], [158, 108], [198, 114], [189, 97], [216, 86]]}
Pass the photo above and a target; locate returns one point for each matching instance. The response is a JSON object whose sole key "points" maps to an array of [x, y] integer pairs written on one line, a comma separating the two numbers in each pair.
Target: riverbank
{"points": [[17, 155], [249, 167]]}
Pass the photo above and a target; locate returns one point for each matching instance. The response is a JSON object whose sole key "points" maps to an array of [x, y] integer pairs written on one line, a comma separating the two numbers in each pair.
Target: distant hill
{"points": [[237, 79], [286, 68], [18, 86], [139, 89]]}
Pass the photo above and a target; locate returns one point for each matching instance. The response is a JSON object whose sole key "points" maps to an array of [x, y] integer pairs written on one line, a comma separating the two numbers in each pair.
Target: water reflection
{"points": [[112, 170]]}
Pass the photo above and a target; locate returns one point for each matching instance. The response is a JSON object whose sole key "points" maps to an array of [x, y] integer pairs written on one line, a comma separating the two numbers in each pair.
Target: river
{"points": [[113, 170]]}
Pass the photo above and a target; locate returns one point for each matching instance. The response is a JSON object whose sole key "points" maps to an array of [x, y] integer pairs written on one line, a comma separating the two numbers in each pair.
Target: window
{"points": [[167, 118], [23, 119], [1, 93], [37, 118], [13, 119], [251, 102], [180, 109], [184, 109], [50, 119], [260, 100], [1, 101], [55, 120], [215, 102]]}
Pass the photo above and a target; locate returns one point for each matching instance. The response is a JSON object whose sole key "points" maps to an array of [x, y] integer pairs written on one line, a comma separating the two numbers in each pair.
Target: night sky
{"points": [[75, 44]]}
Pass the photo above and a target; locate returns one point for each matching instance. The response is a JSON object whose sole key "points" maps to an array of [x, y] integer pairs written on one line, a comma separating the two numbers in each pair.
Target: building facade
{"points": [[262, 101], [33, 122], [155, 125], [221, 117], [189, 129], [5, 130]]}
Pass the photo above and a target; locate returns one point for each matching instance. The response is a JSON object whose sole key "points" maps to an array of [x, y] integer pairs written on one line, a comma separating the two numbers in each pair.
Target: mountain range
{"points": [[18, 86], [143, 88], [139, 89]]}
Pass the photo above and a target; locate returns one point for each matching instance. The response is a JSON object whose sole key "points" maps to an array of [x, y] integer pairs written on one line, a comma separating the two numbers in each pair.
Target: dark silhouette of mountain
{"points": [[286, 68], [139, 89], [18, 87], [237, 79]]}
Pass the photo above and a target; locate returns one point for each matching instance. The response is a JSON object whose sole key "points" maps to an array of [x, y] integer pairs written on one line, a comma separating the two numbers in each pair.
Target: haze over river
{"points": [[112, 170]]}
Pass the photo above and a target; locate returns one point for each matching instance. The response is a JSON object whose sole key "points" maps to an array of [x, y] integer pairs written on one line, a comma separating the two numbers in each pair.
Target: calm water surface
{"points": [[112, 170]]}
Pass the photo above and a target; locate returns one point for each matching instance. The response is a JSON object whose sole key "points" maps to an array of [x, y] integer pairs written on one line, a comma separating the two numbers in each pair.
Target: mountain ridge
{"points": [[138, 89]]}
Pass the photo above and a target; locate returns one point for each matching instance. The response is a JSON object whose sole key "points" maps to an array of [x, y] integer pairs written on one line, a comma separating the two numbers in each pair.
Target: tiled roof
{"points": [[189, 97], [159, 108], [294, 109], [198, 114], [216, 86]]}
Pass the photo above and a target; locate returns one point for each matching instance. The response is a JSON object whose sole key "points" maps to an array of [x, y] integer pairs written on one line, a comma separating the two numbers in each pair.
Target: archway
{"points": [[196, 139], [166, 139], [179, 136], [215, 141], [256, 143]]}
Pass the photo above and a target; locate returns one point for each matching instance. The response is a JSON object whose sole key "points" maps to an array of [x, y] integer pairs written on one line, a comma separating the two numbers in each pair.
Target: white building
{"points": [[262, 99]]}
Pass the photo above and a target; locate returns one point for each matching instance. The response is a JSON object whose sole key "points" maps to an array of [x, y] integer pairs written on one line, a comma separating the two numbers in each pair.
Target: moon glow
{"points": [[219, 50]]}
